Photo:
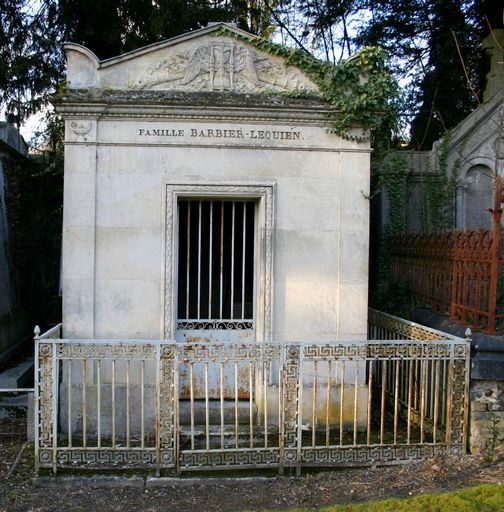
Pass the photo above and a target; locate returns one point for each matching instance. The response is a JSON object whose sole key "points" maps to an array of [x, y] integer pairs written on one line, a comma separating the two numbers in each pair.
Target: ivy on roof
{"points": [[361, 89]]}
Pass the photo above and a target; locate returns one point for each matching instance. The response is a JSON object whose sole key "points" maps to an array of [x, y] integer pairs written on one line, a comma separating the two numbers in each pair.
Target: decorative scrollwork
{"points": [[103, 457], [229, 352], [45, 457], [335, 351], [447, 359], [167, 458], [107, 350], [344, 455], [45, 396], [223, 458], [291, 395], [168, 351], [293, 352], [211, 325], [45, 349]]}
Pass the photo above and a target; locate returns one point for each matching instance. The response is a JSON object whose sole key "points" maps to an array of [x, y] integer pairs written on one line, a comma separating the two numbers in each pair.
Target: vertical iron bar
{"points": [[423, 378], [281, 413], [382, 409], [142, 402], [207, 411], [443, 392], [113, 404], [236, 403], [396, 398], [449, 403], [356, 403], [188, 255], [342, 401], [410, 398], [199, 262], [221, 285], [84, 403], [265, 401], [158, 410], [98, 400], [232, 257], [221, 393], [314, 402], [370, 399], [436, 403], [191, 400], [69, 400], [128, 365], [299, 432], [251, 410], [328, 402], [431, 388], [210, 263], [243, 258]]}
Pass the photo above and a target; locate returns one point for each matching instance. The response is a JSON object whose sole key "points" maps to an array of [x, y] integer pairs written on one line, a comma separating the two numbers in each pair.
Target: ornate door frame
{"points": [[264, 193]]}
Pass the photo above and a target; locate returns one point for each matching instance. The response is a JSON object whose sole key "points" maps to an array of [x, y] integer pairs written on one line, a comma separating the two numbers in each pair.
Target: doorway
{"points": [[216, 278]]}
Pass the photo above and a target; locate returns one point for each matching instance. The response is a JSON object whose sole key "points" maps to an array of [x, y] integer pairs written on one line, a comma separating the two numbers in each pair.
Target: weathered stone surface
{"points": [[161, 116], [197, 61], [204, 116], [486, 414]]}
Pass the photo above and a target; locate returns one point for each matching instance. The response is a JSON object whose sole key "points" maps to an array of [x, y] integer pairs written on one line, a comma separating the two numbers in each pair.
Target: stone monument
{"points": [[206, 198]]}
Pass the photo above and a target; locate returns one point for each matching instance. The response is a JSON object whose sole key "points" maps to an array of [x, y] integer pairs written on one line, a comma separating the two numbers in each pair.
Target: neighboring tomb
{"points": [[13, 320], [470, 155]]}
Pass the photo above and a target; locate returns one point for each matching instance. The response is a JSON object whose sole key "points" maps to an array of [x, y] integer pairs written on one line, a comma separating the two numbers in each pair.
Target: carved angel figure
{"points": [[222, 62]]}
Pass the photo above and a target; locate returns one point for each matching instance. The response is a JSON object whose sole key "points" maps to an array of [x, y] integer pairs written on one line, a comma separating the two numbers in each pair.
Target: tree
{"points": [[117, 26], [434, 46], [31, 62]]}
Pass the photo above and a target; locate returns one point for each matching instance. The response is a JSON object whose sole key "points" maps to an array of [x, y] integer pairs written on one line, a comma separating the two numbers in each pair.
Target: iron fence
{"points": [[457, 272], [117, 404]]}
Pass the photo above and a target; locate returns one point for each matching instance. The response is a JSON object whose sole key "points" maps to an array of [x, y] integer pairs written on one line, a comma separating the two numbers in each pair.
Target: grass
{"points": [[482, 498]]}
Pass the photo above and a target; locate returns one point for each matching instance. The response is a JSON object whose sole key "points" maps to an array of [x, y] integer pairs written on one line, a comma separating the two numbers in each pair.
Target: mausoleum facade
{"points": [[206, 198]]}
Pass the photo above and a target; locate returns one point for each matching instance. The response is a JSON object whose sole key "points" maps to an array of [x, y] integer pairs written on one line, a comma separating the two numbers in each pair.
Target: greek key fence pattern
{"points": [[118, 404]]}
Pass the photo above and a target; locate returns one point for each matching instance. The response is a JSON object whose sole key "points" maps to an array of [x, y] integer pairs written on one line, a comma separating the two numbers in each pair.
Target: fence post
{"points": [[494, 269], [290, 440]]}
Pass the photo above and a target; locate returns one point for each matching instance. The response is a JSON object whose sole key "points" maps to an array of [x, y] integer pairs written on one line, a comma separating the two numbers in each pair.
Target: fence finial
{"points": [[36, 331], [468, 334]]}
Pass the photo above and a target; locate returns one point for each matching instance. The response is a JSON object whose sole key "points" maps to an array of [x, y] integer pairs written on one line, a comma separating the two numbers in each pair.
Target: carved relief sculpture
{"points": [[221, 66]]}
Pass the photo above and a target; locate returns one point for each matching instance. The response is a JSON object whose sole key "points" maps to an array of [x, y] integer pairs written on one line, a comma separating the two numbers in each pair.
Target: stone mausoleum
{"points": [[205, 197], [207, 200]]}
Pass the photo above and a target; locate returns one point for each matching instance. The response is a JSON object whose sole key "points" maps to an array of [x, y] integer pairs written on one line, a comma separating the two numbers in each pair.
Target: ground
{"points": [[17, 492]]}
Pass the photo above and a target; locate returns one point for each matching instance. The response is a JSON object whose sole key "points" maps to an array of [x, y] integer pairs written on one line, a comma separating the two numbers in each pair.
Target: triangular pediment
{"points": [[205, 60]]}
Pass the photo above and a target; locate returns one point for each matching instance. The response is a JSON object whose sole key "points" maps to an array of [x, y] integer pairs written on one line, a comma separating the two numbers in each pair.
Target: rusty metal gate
{"points": [[216, 288], [111, 404]]}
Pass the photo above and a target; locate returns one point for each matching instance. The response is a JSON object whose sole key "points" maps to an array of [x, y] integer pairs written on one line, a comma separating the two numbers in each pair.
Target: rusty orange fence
{"points": [[456, 273], [451, 272]]}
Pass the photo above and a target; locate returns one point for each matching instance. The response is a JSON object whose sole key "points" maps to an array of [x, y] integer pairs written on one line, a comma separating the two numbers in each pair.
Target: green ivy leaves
{"points": [[361, 90]]}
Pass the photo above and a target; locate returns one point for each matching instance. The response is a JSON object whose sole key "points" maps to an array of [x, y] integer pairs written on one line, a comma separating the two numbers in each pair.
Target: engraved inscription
{"points": [[220, 133]]}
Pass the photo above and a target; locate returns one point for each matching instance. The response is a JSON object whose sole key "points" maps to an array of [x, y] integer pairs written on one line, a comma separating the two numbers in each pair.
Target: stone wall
{"points": [[486, 415], [13, 321]]}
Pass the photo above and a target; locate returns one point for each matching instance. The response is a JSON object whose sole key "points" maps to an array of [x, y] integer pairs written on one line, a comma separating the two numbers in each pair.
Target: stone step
{"points": [[19, 376]]}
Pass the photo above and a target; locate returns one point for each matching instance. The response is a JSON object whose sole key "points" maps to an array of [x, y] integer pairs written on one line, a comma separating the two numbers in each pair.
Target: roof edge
{"points": [[111, 61]]}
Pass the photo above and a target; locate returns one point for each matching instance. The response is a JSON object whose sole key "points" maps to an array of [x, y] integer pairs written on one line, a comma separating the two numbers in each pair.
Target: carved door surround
{"points": [[264, 194]]}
